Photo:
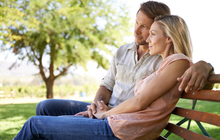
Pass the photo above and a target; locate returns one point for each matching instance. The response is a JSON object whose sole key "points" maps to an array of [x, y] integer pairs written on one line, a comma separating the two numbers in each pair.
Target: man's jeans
{"points": [[57, 107], [55, 120]]}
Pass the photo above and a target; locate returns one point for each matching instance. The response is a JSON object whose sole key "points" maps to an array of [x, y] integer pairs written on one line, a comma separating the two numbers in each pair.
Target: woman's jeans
{"points": [[55, 120]]}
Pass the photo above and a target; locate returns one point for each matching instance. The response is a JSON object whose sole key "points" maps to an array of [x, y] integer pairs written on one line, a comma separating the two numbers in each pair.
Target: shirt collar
{"points": [[132, 46]]}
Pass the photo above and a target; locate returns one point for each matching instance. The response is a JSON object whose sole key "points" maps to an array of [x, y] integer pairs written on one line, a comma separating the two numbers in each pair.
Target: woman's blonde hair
{"points": [[175, 28]]}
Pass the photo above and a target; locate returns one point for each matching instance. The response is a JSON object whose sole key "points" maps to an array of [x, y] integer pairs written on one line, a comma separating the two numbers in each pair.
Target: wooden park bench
{"points": [[197, 116]]}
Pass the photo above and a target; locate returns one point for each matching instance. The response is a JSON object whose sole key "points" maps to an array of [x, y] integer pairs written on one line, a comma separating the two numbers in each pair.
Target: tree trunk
{"points": [[49, 85]]}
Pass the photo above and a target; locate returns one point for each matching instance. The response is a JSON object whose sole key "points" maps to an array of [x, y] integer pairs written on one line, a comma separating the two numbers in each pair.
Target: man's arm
{"points": [[103, 94], [195, 77]]}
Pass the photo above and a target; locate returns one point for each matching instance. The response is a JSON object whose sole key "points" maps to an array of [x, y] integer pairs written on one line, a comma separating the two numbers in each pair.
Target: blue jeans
{"points": [[58, 107], [55, 120]]}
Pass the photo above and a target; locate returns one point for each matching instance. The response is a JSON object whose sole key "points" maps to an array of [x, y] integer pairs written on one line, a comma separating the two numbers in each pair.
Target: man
{"points": [[129, 65]]}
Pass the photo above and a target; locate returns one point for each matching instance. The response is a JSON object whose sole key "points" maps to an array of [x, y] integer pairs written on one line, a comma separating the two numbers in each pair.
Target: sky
{"points": [[202, 18]]}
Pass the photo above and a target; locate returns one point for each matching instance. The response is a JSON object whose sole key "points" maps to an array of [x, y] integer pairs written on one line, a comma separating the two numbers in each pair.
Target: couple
{"points": [[136, 110]]}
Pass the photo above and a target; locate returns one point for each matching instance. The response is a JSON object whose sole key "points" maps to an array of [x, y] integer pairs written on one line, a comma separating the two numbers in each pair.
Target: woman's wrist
{"points": [[105, 115]]}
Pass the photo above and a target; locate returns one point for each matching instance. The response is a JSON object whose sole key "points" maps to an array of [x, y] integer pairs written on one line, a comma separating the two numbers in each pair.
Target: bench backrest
{"points": [[197, 116]]}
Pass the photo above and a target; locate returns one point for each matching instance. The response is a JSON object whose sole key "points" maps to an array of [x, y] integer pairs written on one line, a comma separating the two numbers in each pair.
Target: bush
{"points": [[40, 91]]}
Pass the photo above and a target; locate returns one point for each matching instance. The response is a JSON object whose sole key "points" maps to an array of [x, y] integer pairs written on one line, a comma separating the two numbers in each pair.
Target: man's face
{"points": [[141, 28]]}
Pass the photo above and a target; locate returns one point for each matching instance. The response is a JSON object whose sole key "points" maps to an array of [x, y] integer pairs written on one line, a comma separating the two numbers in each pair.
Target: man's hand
{"points": [[101, 109], [92, 109], [84, 113], [195, 77]]}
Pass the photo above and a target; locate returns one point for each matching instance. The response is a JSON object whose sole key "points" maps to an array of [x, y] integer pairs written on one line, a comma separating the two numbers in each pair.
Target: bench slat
{"points": [[184, 133], [198, 116], [207, 95], [205, 117]]}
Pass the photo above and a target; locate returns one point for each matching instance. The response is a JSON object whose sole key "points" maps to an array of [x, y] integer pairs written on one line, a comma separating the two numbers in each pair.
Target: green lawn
{"points": [[13, 116]]}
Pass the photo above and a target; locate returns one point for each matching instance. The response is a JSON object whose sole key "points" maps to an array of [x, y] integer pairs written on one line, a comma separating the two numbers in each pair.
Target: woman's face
{"points": [[157, 41]]}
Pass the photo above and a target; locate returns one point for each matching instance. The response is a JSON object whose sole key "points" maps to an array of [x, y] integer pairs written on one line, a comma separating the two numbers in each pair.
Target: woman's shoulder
{"points": [[173, 58]]}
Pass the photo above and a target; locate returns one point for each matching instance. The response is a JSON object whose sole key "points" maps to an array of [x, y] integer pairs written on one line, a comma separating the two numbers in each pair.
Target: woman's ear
{"points": [[169, 40]]}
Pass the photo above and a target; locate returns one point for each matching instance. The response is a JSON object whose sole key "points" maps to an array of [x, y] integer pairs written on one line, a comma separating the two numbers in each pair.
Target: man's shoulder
{"points": [[124, 48]]}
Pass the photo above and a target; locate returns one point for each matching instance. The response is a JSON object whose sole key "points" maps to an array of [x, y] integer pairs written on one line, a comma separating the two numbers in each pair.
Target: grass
{"points": [[13, 116], [204, 106]]}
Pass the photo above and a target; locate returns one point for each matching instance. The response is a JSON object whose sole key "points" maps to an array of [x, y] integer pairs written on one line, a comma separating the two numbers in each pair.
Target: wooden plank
{"points": [[184, 133], [206, 95], [214, 78], [205, 117]]}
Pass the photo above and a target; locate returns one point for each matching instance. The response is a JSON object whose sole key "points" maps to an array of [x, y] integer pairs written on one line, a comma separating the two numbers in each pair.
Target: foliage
{"points": [[216, 86], [40, 91], [62, 33]]}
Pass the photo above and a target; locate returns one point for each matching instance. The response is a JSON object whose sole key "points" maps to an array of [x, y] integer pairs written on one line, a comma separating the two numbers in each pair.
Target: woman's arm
{"points": [[159, 85]]}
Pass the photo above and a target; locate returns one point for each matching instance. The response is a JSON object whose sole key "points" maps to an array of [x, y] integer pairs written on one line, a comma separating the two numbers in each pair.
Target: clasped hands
{"points": [[96, 109]]}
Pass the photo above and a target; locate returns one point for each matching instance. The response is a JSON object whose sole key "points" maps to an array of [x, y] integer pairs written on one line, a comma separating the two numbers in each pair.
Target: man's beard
{"points": [[141, 43]]}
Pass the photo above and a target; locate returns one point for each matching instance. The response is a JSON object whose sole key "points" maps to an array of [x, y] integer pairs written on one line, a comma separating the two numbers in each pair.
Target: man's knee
{"points": [[43, 106]]}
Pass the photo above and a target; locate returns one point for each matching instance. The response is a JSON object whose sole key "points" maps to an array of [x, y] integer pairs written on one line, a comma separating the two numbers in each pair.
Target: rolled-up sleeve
{"points": [[109, 80]]}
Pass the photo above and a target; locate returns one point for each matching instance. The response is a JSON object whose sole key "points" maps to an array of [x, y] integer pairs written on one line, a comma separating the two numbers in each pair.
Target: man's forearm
{"points": [[209, 67], [103, 94]]}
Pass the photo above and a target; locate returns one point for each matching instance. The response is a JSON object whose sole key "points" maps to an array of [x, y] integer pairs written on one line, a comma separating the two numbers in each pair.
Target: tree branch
{"points": [[63, 71], [34, 55]]}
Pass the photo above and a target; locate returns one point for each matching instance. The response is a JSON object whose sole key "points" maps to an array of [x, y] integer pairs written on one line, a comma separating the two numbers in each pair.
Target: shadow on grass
{"points": [[13, 117], [11, 110]]}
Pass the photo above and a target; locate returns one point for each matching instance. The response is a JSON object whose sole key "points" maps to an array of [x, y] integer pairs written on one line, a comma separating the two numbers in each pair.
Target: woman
{"points": [[145, 115]]}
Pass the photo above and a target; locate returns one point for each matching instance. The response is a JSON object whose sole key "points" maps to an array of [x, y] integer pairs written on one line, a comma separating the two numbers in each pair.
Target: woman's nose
{"points": [[148, 39]]}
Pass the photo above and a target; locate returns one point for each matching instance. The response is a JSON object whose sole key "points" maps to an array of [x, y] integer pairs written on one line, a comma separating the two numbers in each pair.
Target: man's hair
{"points": [[153, 9], [175, 28]]}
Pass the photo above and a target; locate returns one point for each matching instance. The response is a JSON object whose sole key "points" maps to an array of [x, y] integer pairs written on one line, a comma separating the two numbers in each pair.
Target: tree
{"points": [[64, 32]]}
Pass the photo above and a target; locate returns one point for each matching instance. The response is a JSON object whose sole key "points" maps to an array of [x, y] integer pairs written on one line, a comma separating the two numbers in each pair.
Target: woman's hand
{"points": [[101, 109]]}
